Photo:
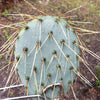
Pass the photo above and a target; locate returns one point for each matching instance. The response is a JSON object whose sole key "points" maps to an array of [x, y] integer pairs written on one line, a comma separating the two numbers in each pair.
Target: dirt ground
{"points": [[90, 12]]}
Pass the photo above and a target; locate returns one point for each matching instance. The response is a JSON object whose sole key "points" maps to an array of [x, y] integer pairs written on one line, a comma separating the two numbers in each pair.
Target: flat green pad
{"points": [[38, 31]]}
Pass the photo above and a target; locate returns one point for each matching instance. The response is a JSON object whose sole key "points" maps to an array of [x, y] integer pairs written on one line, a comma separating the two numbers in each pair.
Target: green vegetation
{"points": [[6, 34], [98, 84], [98, 75], [98, 71], [11, 93], [87, 40], [0, 57], [5, 13]]}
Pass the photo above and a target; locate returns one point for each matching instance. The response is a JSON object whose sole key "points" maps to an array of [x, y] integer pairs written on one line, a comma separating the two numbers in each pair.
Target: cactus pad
{"points": [[44, 61]]}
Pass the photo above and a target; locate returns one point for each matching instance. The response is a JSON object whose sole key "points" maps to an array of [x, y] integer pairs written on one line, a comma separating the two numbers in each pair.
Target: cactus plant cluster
{"points": [[44, 62]]}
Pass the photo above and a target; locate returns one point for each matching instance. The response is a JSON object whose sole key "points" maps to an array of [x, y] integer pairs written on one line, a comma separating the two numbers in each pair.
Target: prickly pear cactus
{"points": [[43, 59]]}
